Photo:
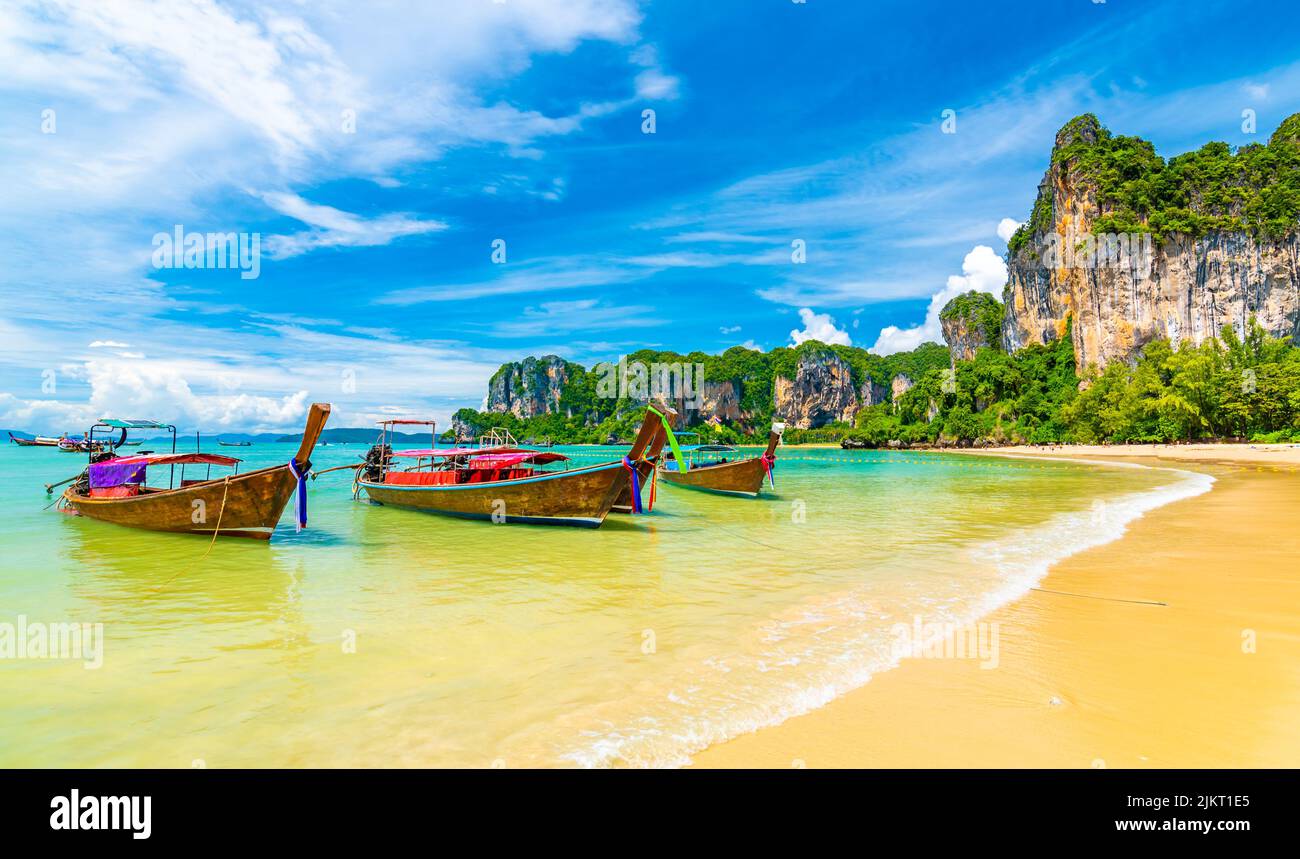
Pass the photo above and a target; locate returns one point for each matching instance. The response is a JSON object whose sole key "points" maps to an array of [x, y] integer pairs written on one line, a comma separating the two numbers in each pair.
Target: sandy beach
{"points": [[1177, 645]]}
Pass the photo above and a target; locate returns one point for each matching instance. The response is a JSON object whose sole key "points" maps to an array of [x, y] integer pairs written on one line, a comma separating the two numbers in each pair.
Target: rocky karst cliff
{"points": [[1203, 240], [820, 391], [971, 322], [530, 387], [807, 387]]}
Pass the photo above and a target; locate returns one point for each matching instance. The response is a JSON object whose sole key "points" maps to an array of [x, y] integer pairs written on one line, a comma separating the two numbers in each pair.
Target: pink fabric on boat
{"points": [[508, 460], [175, 459], [457, 451]]}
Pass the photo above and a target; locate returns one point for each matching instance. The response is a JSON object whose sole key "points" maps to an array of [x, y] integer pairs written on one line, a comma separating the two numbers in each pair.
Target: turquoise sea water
{"points": [[385, 637]]}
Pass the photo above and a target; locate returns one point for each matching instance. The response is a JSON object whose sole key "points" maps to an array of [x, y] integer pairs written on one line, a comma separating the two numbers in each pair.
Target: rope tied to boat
{"points": [[636, 484], [769, 463], [216, 532], [302, 495]]}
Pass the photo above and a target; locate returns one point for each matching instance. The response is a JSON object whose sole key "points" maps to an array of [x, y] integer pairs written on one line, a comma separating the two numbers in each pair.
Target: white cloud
{"points": [[982, 271], [1007, 228], [109, 344], [653, 83], [336, 228], [729, 329], [819, 326], [139, 390], [588, 314]]}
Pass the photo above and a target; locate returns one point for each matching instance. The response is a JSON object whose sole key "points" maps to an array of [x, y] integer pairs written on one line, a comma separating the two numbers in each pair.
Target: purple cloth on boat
{"points": [[106, 474]]}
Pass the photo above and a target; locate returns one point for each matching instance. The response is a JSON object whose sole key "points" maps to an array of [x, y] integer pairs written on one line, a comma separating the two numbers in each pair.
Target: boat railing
{"points": [[497, 437]]}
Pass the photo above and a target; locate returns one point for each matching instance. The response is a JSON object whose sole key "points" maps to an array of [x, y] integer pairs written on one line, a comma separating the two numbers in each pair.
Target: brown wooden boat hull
{"points": [[581, 497], [252, 505], [742, 477]]}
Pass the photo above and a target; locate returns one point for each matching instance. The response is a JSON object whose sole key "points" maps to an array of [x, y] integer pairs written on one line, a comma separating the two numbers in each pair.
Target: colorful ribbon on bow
{"points": [[636, 484], [769, 462], [672, 439], [302, 495]]}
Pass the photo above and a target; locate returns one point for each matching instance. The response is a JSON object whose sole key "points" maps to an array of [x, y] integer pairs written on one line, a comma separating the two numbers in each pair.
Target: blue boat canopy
{"points": [[116, 424]]}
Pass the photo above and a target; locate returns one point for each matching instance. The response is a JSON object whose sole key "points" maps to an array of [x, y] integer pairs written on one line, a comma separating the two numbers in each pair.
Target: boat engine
{"points": [[376, 460]]}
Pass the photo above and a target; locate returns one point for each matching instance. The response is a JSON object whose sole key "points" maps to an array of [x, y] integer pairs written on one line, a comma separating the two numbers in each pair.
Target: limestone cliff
{"points": [[529, 387], [807, 386], [820, 391], [971, 322], [1134, 248]]}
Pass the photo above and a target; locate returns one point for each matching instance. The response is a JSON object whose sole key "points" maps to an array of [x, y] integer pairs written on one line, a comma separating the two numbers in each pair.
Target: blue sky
{"points": [[379, 156]]}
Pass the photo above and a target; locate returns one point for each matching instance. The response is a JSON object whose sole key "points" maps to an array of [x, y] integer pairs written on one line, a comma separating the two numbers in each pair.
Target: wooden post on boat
{"points": [[49, 487], [774, 438], [653, 434], [316, 418]]}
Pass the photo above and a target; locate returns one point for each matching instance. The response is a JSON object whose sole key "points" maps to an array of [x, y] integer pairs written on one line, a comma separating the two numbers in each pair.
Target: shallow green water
{"points": [[478, 644]]}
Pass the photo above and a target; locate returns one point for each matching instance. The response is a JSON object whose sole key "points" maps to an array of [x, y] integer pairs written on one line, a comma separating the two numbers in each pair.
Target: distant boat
{"points": [[82, 445], [707, 467], [38, 441], [232, 443]]}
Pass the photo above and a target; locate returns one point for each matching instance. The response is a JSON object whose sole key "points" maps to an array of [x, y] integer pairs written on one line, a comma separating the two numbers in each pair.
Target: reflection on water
{"points": [[383, 636]]}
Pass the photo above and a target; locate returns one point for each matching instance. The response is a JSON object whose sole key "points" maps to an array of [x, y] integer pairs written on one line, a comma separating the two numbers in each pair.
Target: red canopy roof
{"points": [[176, 459]]}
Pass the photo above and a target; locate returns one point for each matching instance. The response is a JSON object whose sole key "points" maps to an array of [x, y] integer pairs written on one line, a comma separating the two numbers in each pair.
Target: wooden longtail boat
{"points": [[238, 505], [501, 483], [82, 445], [728, 476], [38, 441]]}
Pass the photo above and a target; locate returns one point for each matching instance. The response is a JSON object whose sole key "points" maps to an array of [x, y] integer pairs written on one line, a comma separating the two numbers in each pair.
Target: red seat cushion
{"points": [[420, 478], [125, 491]]}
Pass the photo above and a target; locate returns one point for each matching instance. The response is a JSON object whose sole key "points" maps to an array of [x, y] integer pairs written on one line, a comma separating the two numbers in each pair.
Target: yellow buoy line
{"points": [[919, 458]]}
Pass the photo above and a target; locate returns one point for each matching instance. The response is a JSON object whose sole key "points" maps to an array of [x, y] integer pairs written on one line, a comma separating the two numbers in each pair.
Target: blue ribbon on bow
{"points": [[302, 494], [636, 485]]}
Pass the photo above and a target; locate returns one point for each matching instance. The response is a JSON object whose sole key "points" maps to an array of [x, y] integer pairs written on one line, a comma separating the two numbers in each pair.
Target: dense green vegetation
{"points": [[982, 313], [995, 396], [1255, 189], [1228, 387]]}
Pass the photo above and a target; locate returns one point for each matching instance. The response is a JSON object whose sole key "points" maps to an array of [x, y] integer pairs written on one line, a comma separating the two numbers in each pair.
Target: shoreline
{"points": [[1133, 653]]}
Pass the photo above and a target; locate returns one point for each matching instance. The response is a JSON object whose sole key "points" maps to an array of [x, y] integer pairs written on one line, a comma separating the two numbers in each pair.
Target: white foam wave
{"points": [[841, 642]]}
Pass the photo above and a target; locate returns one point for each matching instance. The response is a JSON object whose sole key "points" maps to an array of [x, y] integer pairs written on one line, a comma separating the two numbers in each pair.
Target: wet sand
{"points": [[1090, 673]]}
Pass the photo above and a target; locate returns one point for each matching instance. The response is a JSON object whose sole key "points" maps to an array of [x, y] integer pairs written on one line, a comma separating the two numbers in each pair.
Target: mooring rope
{"points": [[224, 494], [1095, 597]]}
